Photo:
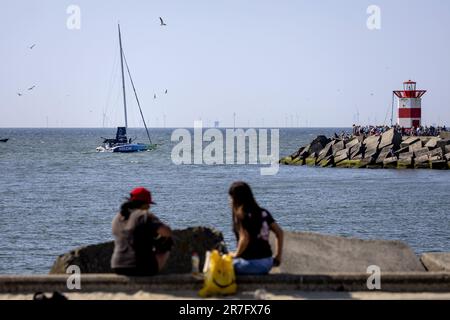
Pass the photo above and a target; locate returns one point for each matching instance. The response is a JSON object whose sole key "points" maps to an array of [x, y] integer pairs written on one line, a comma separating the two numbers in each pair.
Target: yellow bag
{"points": [[220, 278]]}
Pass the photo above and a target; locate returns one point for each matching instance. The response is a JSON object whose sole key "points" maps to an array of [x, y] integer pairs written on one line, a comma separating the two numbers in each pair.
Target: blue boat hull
{"points": [[127, 148]]}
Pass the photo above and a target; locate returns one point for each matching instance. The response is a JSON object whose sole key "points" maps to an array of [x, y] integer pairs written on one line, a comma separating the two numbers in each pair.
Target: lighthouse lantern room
{"points": [[409, 105]]}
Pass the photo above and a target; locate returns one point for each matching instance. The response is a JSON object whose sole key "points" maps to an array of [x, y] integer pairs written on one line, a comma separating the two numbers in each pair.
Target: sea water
{"points": [[57, 193]]}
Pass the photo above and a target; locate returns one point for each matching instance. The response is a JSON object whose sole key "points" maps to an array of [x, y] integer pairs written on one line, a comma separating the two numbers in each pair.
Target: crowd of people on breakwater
{"points": [[428, 131]]}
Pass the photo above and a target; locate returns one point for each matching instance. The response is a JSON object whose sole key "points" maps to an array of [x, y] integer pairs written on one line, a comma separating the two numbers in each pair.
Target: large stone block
{"points": [[406, 155], [447, 156], [423, 158], [432, 143], [409, 141], [351, 143], [341, 156], [341, 152], [338, 146], [390, 160], [416, 146], [381, 157], [422, 162], [297, 154], [425, 140], [372, 142], [405, 163], [443, 144], [402, 150], [303, 153], [356, 150], [364, 162], [97, 258], [390, 137], [371, 147], [318, 144], [436, 153], [418, 153], [315, 253], [384, 153], [390, 163], [372, 139], [436, 262], [371, 153], [329, 161], [326, 152]]}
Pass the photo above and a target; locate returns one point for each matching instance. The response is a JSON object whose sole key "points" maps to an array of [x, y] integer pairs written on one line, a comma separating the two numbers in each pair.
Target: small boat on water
{"points": [[121, 143], [4, 140]]}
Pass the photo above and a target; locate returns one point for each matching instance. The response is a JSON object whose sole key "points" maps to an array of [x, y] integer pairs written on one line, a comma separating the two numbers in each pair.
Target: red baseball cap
{"points": [[141, 194]]}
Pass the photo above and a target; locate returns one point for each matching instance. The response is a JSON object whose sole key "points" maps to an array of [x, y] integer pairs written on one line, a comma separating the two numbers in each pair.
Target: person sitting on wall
{"points": [[252, 225], [142, 242]]}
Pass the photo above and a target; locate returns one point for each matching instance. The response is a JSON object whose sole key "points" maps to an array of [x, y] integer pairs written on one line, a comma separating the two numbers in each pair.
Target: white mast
{"points": [[123, 79]]}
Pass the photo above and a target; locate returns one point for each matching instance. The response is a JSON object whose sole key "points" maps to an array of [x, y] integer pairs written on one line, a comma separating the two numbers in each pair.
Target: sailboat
{"points": [[121, 143]]}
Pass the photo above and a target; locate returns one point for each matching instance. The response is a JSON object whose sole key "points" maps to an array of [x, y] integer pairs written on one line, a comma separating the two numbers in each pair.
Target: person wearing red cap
{"points": [[142, 242]]}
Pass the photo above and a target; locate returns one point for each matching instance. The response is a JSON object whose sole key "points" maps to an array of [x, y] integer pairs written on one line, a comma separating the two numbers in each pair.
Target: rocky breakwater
{"points": [[389, 150]]}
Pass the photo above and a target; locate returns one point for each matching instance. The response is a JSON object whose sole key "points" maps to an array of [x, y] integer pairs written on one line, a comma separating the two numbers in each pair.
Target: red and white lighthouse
{"points": [[409, 105]]}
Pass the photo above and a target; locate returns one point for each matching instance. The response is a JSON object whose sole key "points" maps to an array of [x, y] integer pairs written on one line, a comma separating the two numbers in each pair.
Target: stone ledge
{"points": [[306, 253], [439, 262], [346, 282]]}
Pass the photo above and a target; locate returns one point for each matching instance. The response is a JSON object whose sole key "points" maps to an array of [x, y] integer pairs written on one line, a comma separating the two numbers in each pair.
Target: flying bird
{"points": [[154, 96], [31, 88], [31, 48], [162, 22], [19, 94], [165, 91]]}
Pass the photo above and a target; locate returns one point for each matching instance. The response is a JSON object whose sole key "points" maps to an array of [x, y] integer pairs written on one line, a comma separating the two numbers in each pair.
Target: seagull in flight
{"points": [[154, 96], [19, 94], [31, 48], [31, 88], [162, 22], [165, 91]]}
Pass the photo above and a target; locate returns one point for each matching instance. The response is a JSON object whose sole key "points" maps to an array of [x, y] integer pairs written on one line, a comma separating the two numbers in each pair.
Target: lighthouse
{"points": [[409, 105]]}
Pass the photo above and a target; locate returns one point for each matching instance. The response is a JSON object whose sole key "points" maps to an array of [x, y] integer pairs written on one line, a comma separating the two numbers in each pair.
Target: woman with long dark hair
{"points": [[252, 225], [142, 242]]}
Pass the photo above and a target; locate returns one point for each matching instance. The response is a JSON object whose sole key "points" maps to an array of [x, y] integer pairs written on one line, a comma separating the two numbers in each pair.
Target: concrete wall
{"points": [[306, 252]]}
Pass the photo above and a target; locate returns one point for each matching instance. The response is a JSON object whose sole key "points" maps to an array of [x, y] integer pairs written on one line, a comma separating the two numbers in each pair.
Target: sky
{"points": [[272, 63]]}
